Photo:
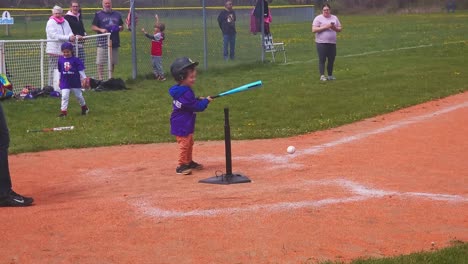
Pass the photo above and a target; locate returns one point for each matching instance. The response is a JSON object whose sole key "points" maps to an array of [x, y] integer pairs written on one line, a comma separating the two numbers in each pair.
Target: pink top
{"points": [[326, 36]]}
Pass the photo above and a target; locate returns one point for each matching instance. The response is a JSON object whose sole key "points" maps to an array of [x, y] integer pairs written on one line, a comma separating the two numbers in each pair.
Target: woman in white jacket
{"points": [[58, 31]]}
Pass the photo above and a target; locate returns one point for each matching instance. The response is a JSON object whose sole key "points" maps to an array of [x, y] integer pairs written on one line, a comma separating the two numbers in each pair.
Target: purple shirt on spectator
{"points": [[69, 69], [110, 21], [326, 36]]}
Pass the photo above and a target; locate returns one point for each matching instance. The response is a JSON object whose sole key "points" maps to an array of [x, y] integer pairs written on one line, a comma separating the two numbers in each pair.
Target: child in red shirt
{"points": [[156, 48]]}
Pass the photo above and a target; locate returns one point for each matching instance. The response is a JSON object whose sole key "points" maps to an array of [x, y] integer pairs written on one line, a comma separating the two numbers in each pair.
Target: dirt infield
{"points": [[385, 186]]}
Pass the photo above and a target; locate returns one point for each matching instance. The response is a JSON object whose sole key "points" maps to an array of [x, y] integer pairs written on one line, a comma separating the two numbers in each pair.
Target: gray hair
{"points": [[57, 9]]}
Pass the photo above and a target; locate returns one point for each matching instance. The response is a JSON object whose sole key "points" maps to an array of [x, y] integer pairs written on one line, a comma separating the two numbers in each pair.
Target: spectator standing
{"points": [[7, 196], [58, 31], [451, 6], [325, 27], [107, 21], [262, 17], [75, 20], [227, 23]]}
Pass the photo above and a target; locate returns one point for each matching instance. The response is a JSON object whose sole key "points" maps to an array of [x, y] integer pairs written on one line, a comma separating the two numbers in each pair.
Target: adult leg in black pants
{"points": [[326, 51], [7, 196], [322, 57], [331, 54]]}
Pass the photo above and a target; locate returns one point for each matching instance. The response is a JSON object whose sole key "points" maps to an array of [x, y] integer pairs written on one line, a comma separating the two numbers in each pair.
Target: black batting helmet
{"points": [[179, 67]]}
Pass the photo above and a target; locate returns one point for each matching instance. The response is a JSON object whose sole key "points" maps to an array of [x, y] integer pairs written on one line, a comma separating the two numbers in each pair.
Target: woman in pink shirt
{"points": [[325, 27]]}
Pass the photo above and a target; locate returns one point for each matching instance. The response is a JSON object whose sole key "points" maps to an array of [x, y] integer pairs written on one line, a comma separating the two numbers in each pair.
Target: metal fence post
{"points": [[262, 26], [133, 32], [205, 38]]}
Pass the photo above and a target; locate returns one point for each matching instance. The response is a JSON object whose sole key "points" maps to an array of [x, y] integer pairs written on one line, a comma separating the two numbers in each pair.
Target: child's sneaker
{"points": [[63, 114], [323, 78], [184, 169], [331, 78], [161, 78], [84, 110], [195, 166]]}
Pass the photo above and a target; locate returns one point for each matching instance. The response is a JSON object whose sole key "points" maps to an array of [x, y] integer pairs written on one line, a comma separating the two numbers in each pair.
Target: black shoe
{"points": [[16, 200], [184, 169], [62, 115], [195, 166]]}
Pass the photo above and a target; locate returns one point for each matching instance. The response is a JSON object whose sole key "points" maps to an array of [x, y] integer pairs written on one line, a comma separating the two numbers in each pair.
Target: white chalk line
{"points": [[379, 51], [285, 160], [359, 191]]}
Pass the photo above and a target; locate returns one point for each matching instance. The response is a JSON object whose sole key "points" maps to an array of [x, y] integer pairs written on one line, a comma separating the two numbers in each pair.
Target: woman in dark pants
{"points": [[7, 196], [325, 27]]}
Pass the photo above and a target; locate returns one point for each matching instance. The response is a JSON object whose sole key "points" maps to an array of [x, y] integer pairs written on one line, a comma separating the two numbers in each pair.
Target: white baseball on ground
{"points": [[291, 149]]}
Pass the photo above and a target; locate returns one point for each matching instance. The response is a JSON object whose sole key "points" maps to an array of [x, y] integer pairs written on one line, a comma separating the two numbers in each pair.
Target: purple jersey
{"points": [[184, 106], [69, 69]]}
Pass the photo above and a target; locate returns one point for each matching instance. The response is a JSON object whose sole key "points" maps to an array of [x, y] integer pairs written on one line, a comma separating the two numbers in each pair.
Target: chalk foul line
{"points": [[359, 193], [380, 51], [285, 160]]}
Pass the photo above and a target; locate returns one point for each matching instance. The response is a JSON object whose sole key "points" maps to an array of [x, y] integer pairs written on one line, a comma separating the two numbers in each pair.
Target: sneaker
{"points": [[161, 78], [331, 78], [84, 111], [184, 169], [62, 115], [16, 200], [323, 78], [196, 166]]}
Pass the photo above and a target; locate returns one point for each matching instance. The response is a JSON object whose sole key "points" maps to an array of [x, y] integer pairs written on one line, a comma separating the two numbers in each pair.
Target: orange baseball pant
{"points": [[185, 149]]}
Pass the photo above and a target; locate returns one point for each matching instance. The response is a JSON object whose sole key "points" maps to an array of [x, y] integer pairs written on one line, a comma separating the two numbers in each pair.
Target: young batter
{"points": [[184, 106]]}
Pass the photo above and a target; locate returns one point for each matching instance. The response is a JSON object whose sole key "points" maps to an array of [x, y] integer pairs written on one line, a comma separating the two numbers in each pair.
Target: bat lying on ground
{"points": [[52, 129], [239, 89]]}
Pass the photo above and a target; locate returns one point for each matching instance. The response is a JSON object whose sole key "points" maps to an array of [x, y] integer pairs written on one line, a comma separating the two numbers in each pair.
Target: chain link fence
{"points": [[184, 33], [27, 64]]}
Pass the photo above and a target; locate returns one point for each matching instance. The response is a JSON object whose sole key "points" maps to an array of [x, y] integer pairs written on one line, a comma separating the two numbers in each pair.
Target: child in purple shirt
{"points": [[72, 73], [184, 106]]}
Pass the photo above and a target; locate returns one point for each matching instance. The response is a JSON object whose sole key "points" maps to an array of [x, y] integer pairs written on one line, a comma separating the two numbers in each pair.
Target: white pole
{"points": [[2, 59], [109, 56], [42, 64]]}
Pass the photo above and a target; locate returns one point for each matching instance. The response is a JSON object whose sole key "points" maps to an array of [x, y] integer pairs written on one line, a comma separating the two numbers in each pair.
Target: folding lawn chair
{"points": [[272, 47]]}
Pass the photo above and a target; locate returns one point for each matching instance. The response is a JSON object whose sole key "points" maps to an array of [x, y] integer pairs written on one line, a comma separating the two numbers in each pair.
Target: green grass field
{"points": [[384, 63], [400, 73], [457, 254]]}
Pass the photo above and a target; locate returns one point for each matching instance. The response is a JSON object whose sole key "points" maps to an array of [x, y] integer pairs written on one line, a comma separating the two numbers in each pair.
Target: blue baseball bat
{"points": [[239, 89]]}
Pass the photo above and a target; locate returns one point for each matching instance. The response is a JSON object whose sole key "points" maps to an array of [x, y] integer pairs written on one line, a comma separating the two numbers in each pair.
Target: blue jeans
{"points": [[157, 65], [229, 41]]}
